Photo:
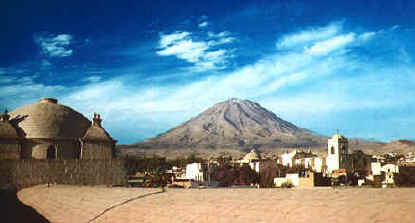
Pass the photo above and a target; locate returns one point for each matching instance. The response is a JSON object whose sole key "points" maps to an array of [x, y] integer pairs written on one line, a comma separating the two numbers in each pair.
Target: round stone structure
{"points": [[48, 130], [50, 120]]}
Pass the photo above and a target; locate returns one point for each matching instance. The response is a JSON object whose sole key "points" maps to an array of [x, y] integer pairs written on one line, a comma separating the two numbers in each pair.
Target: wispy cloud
{"points": [[367, 35], [309, 35], [54, 45], [93, 79], [203, 24], [203, 54], [326, 46], [171, 39]]}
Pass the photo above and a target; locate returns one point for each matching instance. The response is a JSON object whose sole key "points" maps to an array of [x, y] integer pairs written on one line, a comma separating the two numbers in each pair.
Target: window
{"points": [[332, 150], [51, 153]]}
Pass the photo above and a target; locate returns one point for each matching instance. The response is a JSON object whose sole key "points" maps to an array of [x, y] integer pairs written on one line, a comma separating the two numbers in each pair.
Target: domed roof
{"points": [[7, 131], [50, 120], [96, 133], [253, 155]]}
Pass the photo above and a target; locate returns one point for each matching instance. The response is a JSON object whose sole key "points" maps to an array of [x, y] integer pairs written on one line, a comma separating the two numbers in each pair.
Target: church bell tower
{"points": [[338, 150]]}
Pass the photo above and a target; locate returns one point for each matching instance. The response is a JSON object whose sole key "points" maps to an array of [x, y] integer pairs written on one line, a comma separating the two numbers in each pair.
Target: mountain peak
{"points": [[235, 100], [235, 122]]}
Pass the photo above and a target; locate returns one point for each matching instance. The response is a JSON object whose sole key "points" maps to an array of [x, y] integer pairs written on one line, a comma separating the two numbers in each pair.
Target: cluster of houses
{"points": [[338, 163]]}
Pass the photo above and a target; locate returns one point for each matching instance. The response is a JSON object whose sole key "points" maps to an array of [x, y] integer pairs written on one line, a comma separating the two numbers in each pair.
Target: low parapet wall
{"points": [[26, 173]]}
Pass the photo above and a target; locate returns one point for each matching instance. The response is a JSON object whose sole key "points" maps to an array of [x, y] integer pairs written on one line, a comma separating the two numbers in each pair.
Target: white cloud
{"points": [[167, 40], [221, 41], [326, 46], [186, 50], [54, 45], [219, 35], [203, 24], [203, 54], [93, 79], [367, 35], [310, 35]]}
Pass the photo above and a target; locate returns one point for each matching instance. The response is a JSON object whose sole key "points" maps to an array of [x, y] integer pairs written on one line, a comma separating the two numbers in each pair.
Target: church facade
{"points": [[48, 130]]}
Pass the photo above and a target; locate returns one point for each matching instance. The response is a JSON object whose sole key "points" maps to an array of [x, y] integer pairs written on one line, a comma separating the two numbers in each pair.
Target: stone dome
{"points": [[253, 155], [96, 133], [49, 120]]}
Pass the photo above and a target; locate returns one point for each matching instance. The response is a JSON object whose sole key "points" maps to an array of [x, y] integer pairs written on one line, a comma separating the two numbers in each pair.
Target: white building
{"points": [[389, 170], [196, 172], [376, 168], [293, 178], [287, 158], [318, 165], [307, 160], [290, 178], [337, 153]]}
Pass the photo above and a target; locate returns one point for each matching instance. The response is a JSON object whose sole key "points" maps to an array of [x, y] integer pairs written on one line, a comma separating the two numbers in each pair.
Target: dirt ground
{"points": [[101, 204]]}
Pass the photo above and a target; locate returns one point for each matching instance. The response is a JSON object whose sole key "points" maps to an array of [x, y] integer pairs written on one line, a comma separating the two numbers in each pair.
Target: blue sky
{"points": [[148, 66]]}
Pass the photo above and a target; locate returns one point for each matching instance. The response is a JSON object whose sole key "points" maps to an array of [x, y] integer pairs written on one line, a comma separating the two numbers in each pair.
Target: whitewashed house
{"points": [[318, 165], [196, 172], [307, 160], [376, 168], [287, 158], [390, 169], [290, 178]]}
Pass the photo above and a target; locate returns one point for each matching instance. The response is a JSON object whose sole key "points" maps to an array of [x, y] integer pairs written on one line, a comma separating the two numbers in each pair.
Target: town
{"points": [[295, 168]]}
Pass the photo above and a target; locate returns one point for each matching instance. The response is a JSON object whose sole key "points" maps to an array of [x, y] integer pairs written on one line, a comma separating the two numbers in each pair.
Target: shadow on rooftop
{"points": [[12, 210]]}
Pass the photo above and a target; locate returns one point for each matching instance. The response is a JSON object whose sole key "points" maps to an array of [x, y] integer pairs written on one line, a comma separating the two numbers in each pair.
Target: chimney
{"points": [[96, 121], [5, 116]]}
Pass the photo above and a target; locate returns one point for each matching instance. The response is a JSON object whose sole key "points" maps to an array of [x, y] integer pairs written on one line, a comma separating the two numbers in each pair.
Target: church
{"points": [[49, 130], [337, 154]]}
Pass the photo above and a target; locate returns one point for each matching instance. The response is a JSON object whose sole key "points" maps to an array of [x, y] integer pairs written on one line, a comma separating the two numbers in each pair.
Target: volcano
{"points": [[236, 123]]}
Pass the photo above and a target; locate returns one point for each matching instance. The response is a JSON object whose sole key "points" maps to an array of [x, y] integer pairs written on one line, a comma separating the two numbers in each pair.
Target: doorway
{"points": [[51, 153]]}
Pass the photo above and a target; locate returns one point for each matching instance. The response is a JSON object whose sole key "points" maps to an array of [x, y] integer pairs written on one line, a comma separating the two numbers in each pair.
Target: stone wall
{"points": [[37, 149], [25, 173], [97, 150], [9, 149]]}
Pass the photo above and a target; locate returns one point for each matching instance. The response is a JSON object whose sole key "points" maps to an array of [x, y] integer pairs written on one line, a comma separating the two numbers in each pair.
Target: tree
{"points": [[225, 175], [405, 177], [246, 176]]}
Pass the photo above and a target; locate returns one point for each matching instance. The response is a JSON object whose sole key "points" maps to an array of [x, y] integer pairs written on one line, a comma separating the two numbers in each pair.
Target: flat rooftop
{"points": [[61, 203]]}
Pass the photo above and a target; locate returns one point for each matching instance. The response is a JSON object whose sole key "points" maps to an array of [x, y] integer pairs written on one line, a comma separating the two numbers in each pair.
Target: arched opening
{"points": [[332, 150], [51, 153]]}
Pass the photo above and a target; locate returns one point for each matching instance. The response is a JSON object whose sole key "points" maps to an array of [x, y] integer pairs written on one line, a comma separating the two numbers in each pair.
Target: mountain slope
{"points": [[239, 123]]}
